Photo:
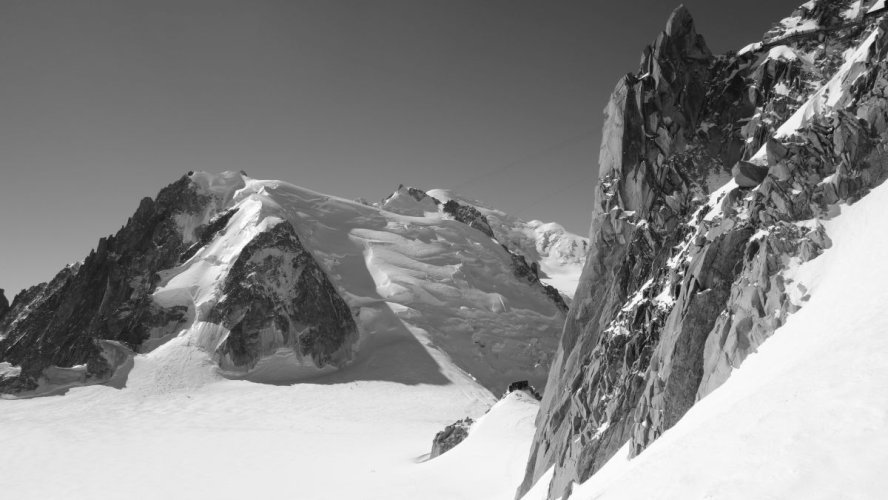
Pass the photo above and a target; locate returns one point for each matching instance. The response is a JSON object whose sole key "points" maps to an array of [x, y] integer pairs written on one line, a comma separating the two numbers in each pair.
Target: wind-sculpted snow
{"points": [[715, 174]]}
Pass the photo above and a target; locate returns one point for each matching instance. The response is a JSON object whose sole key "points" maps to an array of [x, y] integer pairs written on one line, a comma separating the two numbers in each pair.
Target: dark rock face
{"points": [[106, 297], [531, 274], [419, 195], [748, 175], [682, 281], [468, 215], [277, 296], [523, 385], [451, 436], [4, 304]]}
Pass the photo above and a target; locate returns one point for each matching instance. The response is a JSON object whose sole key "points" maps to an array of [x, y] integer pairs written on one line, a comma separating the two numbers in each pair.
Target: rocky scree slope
{"points": [[280, 284], [714, 174]]}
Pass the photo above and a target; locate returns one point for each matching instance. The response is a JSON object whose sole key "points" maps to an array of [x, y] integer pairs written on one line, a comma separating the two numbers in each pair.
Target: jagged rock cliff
{"points": [[69, 321], [714, 174]]}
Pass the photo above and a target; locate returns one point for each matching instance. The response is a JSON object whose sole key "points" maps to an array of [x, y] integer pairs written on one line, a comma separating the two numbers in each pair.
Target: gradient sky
{"points": [[103, 102]]}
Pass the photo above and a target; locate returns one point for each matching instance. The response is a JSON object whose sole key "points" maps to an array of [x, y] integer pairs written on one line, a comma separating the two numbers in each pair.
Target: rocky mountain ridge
{"points": [[714, 174]]}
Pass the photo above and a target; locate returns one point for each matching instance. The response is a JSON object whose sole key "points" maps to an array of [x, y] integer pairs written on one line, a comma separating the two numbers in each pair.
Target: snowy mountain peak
{"points": [[276, 283]]}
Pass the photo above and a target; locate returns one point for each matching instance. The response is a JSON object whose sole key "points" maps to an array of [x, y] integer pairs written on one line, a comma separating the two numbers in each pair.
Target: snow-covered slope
{"points": [[179, 430], [804, 417]]}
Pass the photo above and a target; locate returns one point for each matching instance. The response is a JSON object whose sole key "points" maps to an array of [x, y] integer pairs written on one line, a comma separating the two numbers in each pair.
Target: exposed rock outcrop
{"points": [[531, 274], [524, 386], [451, 436], [690, 267], [469, 215], [106, 297], [4, 304], [276, 296], [458, 431]]}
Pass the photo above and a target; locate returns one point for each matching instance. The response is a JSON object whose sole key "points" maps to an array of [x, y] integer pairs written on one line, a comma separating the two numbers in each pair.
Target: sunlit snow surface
{"points": [[180, 431], [804, 417]]}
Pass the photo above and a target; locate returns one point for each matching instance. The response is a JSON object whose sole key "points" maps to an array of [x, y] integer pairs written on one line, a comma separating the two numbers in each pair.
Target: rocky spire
{"points": [[650, 119], [676, 291], [651, 114]]}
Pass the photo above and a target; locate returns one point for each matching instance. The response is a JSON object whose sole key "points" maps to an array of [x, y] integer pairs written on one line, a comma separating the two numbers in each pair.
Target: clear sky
{"points": [[103, 102]]}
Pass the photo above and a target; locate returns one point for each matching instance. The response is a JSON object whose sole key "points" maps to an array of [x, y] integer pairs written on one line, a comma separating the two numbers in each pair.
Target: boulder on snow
{"points": [[748, 175], [451, 436]]}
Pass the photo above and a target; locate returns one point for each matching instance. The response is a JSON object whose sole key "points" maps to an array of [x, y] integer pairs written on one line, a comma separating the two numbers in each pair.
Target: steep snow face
{"points": [[805, 416], [406, 266], [560, 253]]}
